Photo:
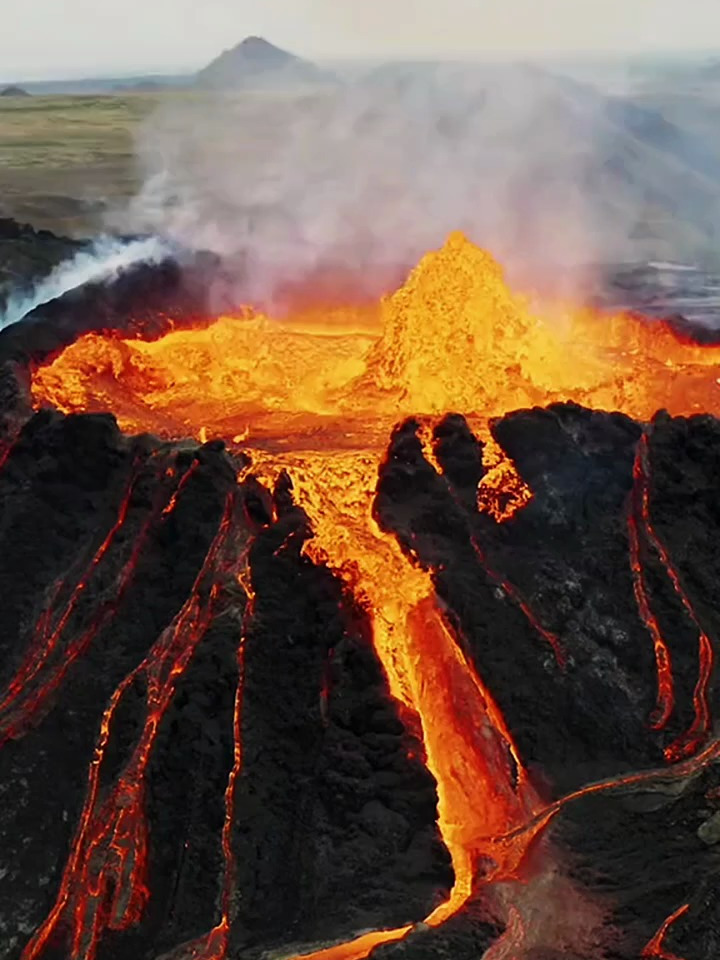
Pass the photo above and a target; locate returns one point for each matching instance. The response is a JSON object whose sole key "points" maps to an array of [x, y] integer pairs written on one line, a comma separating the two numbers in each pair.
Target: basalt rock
{"points": [[27, 255], [334, 816]]}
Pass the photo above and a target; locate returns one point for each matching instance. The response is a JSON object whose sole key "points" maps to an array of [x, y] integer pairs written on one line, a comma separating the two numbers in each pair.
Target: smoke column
{"points": [[365, 175], [105, 260]]}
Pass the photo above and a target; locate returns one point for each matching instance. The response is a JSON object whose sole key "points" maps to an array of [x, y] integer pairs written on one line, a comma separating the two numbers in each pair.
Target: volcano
{"points": [[255, 63], [374, 630]]}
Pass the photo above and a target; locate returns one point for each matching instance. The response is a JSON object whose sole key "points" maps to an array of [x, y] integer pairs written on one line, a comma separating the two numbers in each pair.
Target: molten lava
{"points": [[640, 519], [655, 950], [453, 338], [103, 886], [317, 397], [47, 660]]}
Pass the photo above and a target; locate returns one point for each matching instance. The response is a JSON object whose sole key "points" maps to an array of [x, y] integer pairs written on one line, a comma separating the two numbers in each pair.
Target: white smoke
{"points": [[366, 177], [106, 258]]}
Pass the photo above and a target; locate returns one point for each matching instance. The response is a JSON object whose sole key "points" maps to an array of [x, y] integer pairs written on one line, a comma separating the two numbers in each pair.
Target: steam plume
{"points": [[367, 176], [103, 261]]}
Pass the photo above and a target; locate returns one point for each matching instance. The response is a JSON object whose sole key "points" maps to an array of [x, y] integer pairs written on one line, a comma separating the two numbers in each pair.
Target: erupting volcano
{"points": [[451, 627]]}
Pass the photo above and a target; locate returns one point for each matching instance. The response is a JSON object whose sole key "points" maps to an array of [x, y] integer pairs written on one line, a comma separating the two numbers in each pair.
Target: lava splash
{"points": [[454, 337]]}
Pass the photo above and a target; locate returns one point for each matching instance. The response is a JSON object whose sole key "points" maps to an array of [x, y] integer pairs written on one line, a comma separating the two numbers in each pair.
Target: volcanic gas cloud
{"points": [[514, 574]]}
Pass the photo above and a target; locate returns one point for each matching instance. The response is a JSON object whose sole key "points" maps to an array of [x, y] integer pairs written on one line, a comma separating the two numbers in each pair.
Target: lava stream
{"points": [[24, 698], [639, 518], [214, 945], [103, 883], [5, 451], [21, 700], [655, 949], [686, 769], [482, 786], [665, 681], [701, 725]]}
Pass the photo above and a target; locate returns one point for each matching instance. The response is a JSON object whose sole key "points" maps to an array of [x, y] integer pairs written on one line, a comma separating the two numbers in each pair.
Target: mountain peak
{"points": [[256, 62], [257, 42]]}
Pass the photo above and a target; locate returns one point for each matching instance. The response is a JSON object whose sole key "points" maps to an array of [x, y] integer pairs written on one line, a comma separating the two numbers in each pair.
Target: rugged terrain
{"points": [[199, 743]]}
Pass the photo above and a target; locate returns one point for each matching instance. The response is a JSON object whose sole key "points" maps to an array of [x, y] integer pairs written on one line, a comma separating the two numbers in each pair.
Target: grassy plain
{"points": [[65, 159]]}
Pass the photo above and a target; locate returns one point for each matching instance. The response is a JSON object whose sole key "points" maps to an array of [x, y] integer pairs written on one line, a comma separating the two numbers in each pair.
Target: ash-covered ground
{"points": [[333, 821]]}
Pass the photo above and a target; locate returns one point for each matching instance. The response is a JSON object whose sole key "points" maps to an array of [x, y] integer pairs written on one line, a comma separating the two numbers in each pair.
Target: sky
{"points": [[70, 38]]}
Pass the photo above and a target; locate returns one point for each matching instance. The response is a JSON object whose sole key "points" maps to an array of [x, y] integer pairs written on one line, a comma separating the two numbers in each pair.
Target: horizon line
{"points": [[89, 74]]}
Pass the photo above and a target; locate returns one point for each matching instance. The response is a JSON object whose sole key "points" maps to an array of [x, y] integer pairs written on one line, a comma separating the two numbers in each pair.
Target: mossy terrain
{"points": [[65, 159]]}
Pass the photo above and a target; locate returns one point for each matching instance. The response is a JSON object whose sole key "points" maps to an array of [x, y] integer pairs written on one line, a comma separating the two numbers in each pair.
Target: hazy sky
{"points": [[45, 38]]}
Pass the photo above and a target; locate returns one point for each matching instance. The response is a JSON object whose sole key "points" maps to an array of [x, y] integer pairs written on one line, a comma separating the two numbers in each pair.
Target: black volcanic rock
{"points": [[333, 821], [566, 555], [554, 553], [332, 815], [111, 546], [255, 63], [333, 826], [28, 255], [145, 297]]}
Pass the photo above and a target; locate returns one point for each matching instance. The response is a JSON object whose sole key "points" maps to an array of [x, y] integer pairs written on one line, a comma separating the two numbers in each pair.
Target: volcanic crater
{"points": [[381, 630]]}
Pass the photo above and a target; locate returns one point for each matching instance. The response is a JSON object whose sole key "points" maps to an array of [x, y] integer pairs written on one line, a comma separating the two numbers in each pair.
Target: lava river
{"points": [[316, 395]]}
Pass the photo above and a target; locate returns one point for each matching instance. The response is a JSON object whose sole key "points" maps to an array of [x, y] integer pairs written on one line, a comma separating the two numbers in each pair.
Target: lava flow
{"points": [[655, 950], [639, 520], [317, 398], [453, 338], [47, 660], [104, 882]]}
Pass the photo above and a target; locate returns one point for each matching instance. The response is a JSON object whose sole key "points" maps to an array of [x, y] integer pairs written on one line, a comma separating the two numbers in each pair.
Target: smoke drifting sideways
{"points": [[103, 261], [356, 180]]}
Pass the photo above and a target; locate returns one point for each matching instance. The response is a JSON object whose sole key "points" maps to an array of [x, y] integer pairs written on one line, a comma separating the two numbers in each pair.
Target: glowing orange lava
{"points": [[655, 948], [103, 885], [453, 338], [317, 397], [47, 660], [639, 519]]}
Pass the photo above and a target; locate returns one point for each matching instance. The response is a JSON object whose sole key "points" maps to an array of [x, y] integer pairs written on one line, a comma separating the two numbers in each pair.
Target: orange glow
{"points": [[46, 637], [454, 338], [655, 949], [214, 945], [47, 660], [359, 947], [103, 884], [316, 395], [639, 518], [482, 785], [501, 492]]}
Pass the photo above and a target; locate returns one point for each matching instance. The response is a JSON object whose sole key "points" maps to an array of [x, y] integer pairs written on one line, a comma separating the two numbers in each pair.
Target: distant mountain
{"points": [[100, 86], [14, 91], [143, 86], [255, 63]]}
